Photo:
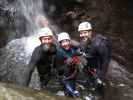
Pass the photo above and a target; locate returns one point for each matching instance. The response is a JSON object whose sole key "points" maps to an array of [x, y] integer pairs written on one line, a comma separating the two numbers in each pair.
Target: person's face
{"points": [[65, 44], [85, 35], [46, 40]]}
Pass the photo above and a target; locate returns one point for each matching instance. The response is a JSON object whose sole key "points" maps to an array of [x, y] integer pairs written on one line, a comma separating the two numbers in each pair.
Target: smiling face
{"points": [[65, 44], [85, 35], [46, 40]]}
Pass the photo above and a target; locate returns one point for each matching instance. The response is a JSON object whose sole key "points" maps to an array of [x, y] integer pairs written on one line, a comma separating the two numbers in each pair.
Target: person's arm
{"points": [[30, 67], [72, 75], [104, 50], [75, 43]]}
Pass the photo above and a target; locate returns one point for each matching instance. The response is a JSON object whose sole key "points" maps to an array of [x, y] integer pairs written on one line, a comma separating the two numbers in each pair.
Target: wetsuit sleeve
{"points": [[72, 76], [75, 43], [104, 50], [31, 67], [35, 56], [59, 62]]}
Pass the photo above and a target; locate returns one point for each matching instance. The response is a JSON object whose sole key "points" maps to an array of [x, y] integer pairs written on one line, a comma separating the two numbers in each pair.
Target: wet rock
{"points": [[14, 60], [14, 92]]}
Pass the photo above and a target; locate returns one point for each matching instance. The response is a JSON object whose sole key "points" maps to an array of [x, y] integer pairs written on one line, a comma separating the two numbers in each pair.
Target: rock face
{"points": [[12, 23], [112, 18], [14, 60], [12, 92]]}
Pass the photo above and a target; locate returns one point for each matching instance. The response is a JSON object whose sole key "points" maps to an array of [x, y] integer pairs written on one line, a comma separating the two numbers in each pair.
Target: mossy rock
{"points": [[14, 92]]}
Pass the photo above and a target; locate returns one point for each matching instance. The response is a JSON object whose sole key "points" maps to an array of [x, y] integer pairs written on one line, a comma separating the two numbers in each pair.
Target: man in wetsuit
{"points": [[43, 57], [97, 51]]}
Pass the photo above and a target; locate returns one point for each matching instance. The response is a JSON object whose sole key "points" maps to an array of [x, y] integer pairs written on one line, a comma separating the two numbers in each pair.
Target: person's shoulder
{"points": [[59, 50], [37, 49], [99, 39], [74, 47]]}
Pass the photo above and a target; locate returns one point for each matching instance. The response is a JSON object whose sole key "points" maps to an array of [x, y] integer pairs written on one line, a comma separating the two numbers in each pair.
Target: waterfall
{"points": [[16, 54], [32, 10]]}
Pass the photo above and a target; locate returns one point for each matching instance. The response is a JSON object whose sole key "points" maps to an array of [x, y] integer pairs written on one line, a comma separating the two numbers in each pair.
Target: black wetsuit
{"points": [[98, 54], [44, 60]]}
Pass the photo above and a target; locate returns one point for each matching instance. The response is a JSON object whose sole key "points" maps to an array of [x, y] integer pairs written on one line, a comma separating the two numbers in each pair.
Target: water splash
{"points": [[31, 43]]}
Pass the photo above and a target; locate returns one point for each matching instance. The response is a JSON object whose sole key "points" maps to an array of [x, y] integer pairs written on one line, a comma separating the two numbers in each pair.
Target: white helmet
{"points": [[45, 32], [84, 26], [63, 36]]}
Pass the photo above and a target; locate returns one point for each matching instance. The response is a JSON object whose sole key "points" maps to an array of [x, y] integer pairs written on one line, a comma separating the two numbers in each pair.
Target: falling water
{"points": [[16, 54], [31, 9], [33, 12]]}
